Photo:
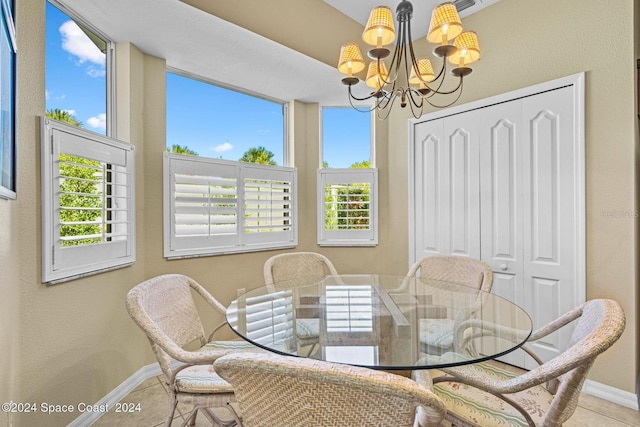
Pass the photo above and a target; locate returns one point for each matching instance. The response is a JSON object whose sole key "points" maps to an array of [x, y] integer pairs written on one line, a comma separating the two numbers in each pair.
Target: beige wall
{"points": [[74, 342], [523, 45]]}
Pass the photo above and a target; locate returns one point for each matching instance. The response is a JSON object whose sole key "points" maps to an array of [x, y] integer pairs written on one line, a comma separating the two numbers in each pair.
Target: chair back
{"points": [[164, 309], [286, 391], [455, 269], [600, 322], [296, 265]]}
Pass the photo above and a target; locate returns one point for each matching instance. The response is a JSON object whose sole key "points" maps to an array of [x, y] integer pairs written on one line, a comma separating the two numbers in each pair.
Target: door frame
{"points": [[577, 81]]}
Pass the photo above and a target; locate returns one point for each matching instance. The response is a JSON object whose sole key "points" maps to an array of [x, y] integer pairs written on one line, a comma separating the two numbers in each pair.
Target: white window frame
{"points": [[110, 65], [66, 263], [348, 237], [225, 176], [8, 147]]}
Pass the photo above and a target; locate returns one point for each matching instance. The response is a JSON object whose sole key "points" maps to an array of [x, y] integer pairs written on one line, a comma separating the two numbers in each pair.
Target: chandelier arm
{"points": [[414, 93], [359, 108], [383, 112], [439, 80], [408, 57], [448, 92], [366, 98], [449, 104], [436, 78]]}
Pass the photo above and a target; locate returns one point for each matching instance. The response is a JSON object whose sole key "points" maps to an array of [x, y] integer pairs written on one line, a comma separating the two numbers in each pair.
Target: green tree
{"points": [[81, 198], [63, 116], [365, 164], [182, 149], [258, 155]]}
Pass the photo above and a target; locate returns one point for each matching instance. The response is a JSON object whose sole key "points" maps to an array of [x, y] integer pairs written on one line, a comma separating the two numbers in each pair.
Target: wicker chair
{"points": [[286, 391], [295, 265], [490, 395], [455, 269], [164, 309], [299, 265], [436, 335]]}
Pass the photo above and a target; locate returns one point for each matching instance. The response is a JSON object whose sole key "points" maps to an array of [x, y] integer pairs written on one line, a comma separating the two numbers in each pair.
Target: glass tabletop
{"points": [[380, 322]]}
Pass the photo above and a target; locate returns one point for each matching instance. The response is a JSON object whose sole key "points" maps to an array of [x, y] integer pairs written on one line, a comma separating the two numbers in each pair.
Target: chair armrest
{"points": [[462, 338]]}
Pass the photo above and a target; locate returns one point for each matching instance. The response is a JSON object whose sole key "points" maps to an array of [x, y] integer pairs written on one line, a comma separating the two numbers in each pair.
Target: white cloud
{"points": [[72, 112], [76, 42], [98, 122], [222, 148], [96, 72]]}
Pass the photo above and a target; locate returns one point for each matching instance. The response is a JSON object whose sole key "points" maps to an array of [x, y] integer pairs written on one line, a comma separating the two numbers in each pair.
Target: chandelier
{"points": [[411, 79]]}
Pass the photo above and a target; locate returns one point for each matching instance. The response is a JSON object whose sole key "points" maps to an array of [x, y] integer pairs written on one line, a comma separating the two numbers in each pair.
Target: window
{"points": [[7, 102], [214, 206], [210, 121], [347, 207], [87, 202], [347, 185], [346, 138], [78, 72]]}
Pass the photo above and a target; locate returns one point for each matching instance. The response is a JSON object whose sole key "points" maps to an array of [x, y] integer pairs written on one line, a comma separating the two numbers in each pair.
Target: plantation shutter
{"points": [[87, 202], [347, 207], [217, 206]]}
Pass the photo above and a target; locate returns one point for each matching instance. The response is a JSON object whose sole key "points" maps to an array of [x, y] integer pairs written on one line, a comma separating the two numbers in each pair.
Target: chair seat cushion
{"points": [[201, 379], [437, 332], [478, 408]]}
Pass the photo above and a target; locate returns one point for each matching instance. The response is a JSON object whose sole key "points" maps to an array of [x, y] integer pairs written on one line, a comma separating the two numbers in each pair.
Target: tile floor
{"points": [[152, 396]]}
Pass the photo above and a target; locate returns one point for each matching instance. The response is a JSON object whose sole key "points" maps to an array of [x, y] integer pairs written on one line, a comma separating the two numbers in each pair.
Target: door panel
{"points": [[461, 134], [501, 200], [429, 232], [549, 210]]}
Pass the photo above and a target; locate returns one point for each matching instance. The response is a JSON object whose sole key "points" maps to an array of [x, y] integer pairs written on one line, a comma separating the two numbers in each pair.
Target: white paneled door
{"points": [[504, 182]]}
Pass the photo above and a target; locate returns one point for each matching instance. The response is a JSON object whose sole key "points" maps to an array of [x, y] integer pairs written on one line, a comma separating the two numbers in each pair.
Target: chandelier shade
{"points": [[350, 61], [412, 80], [445, 24], [421, 73], [380, 30], [377, 75], [468, 49]]}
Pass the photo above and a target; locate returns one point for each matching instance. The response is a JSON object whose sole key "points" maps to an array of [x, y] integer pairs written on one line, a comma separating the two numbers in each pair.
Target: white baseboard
{"points": [[117, 394], [611, 394]]}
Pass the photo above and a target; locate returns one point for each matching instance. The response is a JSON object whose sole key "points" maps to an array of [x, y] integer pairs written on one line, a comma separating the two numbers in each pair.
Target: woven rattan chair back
{"points": [[296, 265], [286, 391], [455, 269], [164, 309]]}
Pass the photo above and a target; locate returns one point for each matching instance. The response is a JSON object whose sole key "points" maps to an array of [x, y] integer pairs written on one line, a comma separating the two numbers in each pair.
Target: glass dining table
{"points": [[391, 323]]}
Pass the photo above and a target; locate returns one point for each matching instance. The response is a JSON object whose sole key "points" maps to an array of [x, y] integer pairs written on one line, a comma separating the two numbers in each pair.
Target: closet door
{"points": [[501, 154], [550, 205], [503, 182]]}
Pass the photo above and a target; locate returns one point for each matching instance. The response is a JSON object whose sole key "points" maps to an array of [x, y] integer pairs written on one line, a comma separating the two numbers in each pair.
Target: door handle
{"points": [[503, 267]]}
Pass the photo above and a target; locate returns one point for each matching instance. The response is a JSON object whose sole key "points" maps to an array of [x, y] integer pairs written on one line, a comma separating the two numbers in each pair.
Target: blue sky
{"points": [[210, 120]]}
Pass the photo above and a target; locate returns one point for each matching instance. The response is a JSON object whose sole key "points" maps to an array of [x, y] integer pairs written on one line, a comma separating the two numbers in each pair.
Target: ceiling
{"points": [[358, 10], [204, 45]]}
